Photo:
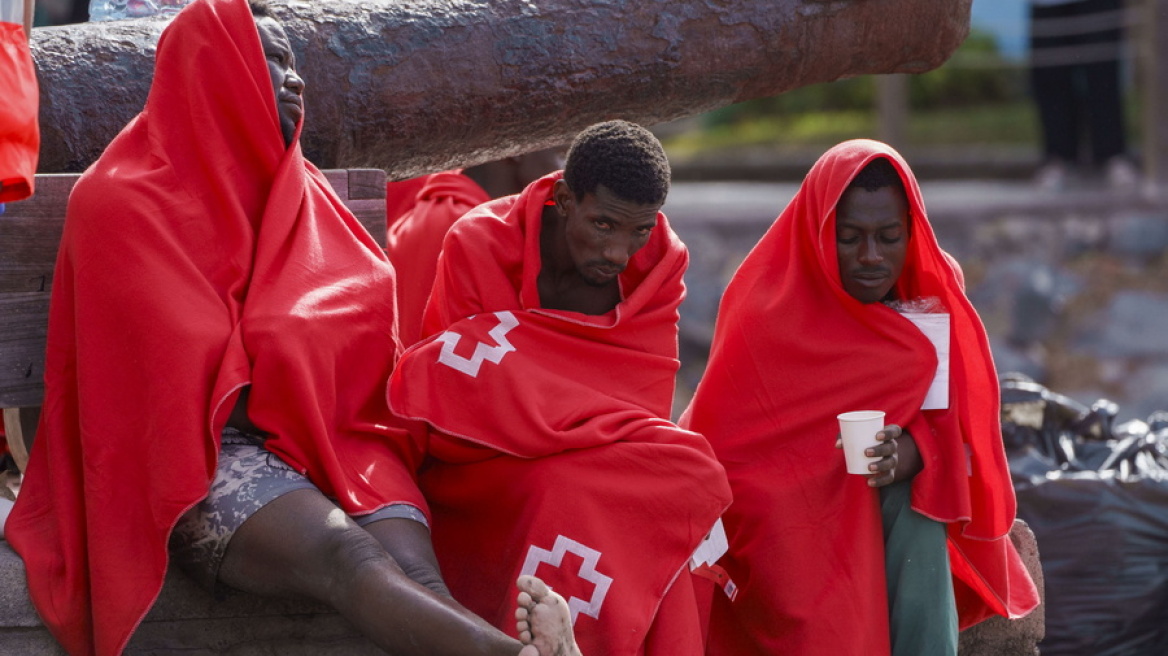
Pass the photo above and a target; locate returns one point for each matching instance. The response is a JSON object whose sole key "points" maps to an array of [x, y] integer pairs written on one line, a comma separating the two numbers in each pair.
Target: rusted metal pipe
{"points": [[420, 85]]}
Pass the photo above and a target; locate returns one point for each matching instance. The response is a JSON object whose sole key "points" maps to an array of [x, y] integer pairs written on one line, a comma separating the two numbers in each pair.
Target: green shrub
{"points": [[976, 74]]}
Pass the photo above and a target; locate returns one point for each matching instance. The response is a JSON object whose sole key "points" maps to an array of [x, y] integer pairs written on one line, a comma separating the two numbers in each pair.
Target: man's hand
{"points": [[899, 457]]}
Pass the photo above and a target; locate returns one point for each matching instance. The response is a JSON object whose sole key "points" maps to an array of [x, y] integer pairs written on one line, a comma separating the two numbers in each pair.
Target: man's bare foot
{"points": [[543, 620]]}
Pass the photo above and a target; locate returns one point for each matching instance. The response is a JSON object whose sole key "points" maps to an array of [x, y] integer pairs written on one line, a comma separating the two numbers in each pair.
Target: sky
{"points": [[1005, 19]]}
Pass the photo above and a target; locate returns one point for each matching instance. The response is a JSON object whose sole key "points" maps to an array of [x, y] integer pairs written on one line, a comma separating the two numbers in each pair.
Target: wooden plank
{"points": [[24, 320], [366, 184], [30, 232], [363, 191], [371, 214], [339, 179]]}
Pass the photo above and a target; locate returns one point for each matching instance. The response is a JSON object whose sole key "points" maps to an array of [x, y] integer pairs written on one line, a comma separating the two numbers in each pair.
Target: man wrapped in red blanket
{"points": [[420, 210], [548, 388], [220, 334], [19, 133], [810, 326]]}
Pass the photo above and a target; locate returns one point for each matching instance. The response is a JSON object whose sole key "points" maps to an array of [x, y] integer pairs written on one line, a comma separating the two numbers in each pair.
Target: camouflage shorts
{"points": [[247, 478]]}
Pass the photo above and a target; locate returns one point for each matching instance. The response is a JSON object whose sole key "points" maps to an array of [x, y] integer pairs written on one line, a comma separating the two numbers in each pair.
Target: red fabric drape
{"points": [[19, 132], [400, 196], [199, 255], [415, 240], [791, 350], [551, 440]]}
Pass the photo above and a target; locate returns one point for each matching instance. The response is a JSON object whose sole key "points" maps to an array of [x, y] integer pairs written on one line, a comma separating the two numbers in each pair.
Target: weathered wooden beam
{"points": [[418, 85]]}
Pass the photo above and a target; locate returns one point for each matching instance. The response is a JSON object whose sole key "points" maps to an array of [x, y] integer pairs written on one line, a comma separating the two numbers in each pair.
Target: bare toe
{"points": [[533, 587], [549, 621]]}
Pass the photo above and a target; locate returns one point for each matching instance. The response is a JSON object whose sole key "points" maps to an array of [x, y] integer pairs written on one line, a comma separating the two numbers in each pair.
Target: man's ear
{"points": [[563, 196]]}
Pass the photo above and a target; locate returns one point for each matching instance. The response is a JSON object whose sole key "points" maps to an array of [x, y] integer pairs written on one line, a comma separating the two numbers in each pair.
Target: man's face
{"points": [[286, 84], [603, 232], [872, 233]]}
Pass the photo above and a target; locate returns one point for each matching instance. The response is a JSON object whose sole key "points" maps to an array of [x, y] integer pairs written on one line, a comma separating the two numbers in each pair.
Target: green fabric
{"points": [[921, 608]]}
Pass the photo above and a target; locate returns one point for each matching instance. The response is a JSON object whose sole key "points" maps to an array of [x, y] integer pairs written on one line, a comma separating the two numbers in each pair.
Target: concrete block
{"points": [[999, 636], [189, 621]]}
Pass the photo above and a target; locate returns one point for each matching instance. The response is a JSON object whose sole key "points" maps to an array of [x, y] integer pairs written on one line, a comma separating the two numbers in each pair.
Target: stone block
{"points": [[1132, 326], [999, 636], [189, 621]]}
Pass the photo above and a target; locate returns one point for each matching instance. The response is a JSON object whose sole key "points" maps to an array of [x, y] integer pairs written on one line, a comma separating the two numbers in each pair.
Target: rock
{"points": [[1132, 326], [1141, 236], [999, 636]]}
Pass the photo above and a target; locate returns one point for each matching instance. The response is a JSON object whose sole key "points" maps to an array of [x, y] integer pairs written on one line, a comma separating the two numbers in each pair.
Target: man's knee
{"points": [[408, 543], [350, 551]]}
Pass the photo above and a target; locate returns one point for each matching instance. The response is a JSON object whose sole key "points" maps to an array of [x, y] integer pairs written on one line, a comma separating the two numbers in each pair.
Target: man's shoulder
{"points": [[485, 239]]}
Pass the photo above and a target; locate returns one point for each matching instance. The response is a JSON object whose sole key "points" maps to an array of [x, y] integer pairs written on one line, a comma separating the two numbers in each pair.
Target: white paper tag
{"points": [[711, 548], [12, 11], [935, 326]]}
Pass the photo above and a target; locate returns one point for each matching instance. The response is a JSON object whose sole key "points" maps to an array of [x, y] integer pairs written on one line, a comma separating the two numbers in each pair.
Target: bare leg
{"points": [[543, 619], [301, 543], [408, 543]]}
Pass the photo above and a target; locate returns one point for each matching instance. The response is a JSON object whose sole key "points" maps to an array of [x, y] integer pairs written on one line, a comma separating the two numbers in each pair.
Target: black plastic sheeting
{"points": [[1096, 496]]}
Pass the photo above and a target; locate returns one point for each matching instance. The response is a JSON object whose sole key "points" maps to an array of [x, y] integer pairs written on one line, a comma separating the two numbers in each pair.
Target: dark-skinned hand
{"points": [[899, 458]]}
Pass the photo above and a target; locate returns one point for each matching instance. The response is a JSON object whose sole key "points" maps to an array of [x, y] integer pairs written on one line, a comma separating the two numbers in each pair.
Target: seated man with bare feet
{"points": [[219, 341], [547, 381]]}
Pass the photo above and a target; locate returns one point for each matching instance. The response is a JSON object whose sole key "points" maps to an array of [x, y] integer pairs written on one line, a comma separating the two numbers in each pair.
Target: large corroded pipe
{"points": [[419, 85]]}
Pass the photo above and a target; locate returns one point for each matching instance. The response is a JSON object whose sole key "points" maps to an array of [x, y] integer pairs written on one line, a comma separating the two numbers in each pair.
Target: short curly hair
{"points": [[624, 158]]}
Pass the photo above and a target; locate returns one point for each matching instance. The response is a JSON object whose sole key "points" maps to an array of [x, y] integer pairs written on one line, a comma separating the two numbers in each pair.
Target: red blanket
{"points": [[791, 350], [19, 133], [400, 196], [415, 239], [199, 255], [553, 454]]}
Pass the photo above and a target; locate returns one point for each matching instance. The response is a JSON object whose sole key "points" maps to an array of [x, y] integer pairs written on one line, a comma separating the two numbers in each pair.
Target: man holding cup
{"points": [[849, 304]]}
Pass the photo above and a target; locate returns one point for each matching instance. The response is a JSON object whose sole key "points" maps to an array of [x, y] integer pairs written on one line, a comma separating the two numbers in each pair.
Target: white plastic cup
{"points": [[858, 430]]}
